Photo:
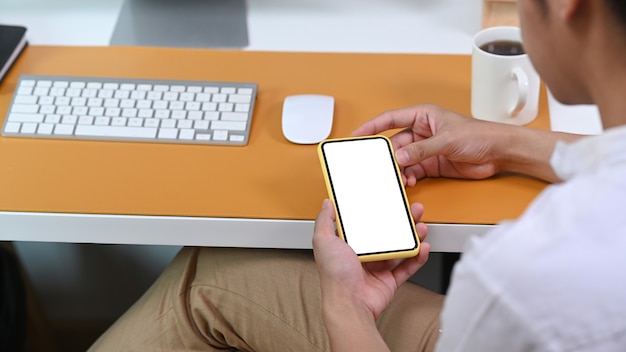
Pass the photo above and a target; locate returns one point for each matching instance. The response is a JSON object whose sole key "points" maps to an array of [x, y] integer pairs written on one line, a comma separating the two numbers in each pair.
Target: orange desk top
{"points": [[268, 179]]}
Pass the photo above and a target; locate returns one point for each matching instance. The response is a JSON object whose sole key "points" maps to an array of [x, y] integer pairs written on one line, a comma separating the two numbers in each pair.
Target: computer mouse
{"points": [[307, 118]]}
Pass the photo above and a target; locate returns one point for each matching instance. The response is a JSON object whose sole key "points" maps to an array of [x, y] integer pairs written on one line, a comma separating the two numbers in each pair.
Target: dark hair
{"points": [[618, 8]]}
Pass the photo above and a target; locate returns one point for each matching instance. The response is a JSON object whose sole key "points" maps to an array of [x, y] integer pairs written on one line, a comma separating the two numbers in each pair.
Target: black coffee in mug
{"points": [[503, 47]]}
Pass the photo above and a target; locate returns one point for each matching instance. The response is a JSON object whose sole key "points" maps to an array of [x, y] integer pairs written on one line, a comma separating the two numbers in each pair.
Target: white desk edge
{"points": [[193, 231]]}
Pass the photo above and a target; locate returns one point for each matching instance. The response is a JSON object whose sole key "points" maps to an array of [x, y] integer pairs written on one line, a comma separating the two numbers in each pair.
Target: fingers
{"points": [[417, 141], [410, 266], [393, 119], [413, 173], [417, 210]]}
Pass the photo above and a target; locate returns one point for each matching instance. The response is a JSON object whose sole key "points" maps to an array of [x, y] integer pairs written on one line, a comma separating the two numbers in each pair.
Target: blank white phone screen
{"points": [[368, 193]]}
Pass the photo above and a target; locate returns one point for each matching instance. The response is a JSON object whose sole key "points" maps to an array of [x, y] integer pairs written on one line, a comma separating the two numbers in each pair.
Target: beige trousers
{"points": [[212, 299]]}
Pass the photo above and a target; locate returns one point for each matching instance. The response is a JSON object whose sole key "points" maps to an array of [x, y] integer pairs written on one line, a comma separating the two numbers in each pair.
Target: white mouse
{"points": [[307, 118]]}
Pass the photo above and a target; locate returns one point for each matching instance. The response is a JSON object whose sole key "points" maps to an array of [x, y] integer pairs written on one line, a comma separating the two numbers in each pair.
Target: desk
{"points": [[263, 195]]}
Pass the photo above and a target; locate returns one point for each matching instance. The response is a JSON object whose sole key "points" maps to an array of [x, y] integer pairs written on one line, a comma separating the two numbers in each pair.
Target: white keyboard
{"points": [[144, 110]]}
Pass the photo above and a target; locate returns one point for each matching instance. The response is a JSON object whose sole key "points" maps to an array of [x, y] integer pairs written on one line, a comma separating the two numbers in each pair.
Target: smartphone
{"points": [[366, 188]]}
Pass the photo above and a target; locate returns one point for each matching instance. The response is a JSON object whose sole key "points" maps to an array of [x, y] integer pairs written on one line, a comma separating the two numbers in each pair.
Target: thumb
{"points": [[417, 152], [325, 221]]}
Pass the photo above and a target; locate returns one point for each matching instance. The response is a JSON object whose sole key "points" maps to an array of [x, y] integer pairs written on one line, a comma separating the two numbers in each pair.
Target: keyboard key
{"points": [[135, 122], [116, 131], [160, 105], [242, 108], [85, 120], [168, 133], [129, 112], [23, 90], [24, 108], [225, 107], [237, 138], [184, 124], [25, 117], [118, 121], [79, 110], [73, 92], [145, 113], [167, 123], [201, 125], [64, 130], [144, 104], [41, 91], [151, 123], [194, 115], [228, 125], [240, 98], [102, 121], [54, 119], [211, 115], [186, 134], [47, 109], [44, 83], [28, 127], [25, 99], [106, 93], [162, 114], [69, 119], [219, 98], [203, 97], [63, 110], [12, 127], [220, 135], [234, 116], [95, 111], [121, 93], [45, 128], [209, 107]]}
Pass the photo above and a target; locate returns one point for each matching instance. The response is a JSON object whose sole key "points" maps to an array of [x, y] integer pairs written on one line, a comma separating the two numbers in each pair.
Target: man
{"points": [[554, 280]]}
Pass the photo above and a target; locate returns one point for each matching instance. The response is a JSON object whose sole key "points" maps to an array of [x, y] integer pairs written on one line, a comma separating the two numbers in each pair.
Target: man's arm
{"points": [[435, 142]]}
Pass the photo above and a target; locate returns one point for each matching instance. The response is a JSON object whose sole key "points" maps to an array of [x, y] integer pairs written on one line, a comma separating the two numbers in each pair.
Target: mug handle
{"points": [[522, 90]]}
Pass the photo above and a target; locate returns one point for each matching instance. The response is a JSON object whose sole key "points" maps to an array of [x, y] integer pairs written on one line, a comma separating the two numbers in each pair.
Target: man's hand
{"points": [[354, 294], [435, 142]]}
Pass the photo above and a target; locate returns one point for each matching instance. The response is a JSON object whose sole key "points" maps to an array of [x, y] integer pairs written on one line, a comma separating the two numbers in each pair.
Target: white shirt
{"points": [[555, 279]]}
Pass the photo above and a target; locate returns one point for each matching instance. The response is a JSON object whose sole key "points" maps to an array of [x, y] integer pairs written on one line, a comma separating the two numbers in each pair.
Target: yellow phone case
{"points": [[375, 256]]}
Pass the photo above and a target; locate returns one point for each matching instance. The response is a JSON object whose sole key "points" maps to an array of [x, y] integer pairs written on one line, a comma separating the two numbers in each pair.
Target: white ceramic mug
{"points": [[505, 88]]}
